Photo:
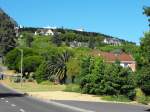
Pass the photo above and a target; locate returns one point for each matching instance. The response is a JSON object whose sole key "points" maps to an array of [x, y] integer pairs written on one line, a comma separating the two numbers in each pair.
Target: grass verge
{"points": [[119, 98], [34, 87], [72, 88]]}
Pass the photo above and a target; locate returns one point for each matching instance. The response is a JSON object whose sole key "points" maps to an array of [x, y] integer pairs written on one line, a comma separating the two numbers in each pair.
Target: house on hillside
{"points": [[78, 44], [112, 41], [45, 32], [126, 60]]}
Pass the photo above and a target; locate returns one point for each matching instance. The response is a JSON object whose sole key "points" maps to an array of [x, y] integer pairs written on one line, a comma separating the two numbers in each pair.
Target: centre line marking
{"points": [[6, 101], [21, 110], [13, 105]]}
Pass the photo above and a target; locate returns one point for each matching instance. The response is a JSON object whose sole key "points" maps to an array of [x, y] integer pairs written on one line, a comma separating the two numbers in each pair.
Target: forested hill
{"points": [[7, 32], [84, 34]]}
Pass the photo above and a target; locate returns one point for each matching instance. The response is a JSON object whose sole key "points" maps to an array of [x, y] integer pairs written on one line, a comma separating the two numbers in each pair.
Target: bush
{"points": [[14, 56], [143, 80], [41, 73], [31, 63], [109, 79], [140, 96]]}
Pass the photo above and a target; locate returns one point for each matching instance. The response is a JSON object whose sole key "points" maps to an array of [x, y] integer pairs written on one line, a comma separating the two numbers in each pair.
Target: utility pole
{"points": [[21, 65], [21, 62]]}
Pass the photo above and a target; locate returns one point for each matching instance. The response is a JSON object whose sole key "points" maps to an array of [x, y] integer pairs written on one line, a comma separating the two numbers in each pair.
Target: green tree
{"points": [[109, 79], [13, 57], [28, 38], [73, 68], [57, 66], [30, 63], [147, 12], [57, 39], [143, 77], [145, 49], [41, 73]]}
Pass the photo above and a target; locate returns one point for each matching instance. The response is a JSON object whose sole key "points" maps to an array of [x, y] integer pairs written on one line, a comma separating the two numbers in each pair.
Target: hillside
{"points": [[84, 34], [7, 32]]}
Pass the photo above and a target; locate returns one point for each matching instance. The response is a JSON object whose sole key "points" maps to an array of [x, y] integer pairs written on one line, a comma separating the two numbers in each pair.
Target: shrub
{"points": [[109, 79], [143, 80], [30, 63], [140, 96], [41, 73]]}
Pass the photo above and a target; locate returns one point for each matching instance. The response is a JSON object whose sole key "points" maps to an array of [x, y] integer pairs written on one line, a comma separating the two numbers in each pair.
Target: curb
{"points": [[14, 90], [67, 106]]}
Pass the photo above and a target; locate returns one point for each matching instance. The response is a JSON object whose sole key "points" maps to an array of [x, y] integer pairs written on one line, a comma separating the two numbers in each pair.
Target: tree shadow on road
{"points": [[148, 110], [8, 95]]}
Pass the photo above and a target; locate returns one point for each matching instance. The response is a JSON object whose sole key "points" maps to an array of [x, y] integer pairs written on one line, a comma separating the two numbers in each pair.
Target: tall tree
{"points": [[56, 39], [143, 77], [147, 12], [57, 66]]}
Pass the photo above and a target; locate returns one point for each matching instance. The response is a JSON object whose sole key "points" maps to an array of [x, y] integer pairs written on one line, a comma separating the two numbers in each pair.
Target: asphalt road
{"points": [[11, 101], [107, 107]]}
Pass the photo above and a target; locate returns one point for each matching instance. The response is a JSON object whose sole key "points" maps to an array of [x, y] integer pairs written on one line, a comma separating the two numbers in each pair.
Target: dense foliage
{"points": [[98, 77], [51, 58], [143, 78]]}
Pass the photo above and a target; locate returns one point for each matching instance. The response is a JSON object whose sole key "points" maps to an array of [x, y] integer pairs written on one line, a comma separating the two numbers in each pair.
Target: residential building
{"points": [[78, 44], [45, 32], [126, 60], [112, 41]]}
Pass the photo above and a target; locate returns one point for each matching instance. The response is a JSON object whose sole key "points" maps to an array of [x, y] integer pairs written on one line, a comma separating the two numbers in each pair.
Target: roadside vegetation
{"points": [[50, 64]]}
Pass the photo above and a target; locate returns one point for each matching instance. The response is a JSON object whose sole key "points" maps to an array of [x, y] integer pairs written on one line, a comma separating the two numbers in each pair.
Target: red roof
{"points": [[111, 57]]}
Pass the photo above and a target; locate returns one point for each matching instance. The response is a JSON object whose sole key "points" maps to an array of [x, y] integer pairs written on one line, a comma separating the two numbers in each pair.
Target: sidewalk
{"points": [[61, 95]]}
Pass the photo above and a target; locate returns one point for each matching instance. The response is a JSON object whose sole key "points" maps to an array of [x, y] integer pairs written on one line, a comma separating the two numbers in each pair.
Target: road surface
{"points": [[11, 101]]}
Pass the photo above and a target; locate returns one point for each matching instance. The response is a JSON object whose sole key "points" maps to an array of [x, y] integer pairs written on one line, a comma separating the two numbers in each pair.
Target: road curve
{"points": [[107, 107], [11, 101]]}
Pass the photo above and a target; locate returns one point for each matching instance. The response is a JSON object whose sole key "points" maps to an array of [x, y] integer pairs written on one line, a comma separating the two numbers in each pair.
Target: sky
{"points": [[119, 18]]}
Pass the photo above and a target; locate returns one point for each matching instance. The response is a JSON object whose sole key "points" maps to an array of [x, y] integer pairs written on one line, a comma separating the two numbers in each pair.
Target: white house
{"points": [[45, 32], [78, 44], [112, 41]]}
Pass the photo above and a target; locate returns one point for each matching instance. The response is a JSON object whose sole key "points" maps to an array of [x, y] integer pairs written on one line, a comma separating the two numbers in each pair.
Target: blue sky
{"points": [[119, 18]]}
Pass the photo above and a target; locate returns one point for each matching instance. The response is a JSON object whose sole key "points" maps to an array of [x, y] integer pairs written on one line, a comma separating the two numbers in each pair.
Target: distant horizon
{"points": [[120, 19]]}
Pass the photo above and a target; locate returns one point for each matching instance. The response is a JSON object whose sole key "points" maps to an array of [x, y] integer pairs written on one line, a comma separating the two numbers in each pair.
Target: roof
{"points": [[112, 57]]}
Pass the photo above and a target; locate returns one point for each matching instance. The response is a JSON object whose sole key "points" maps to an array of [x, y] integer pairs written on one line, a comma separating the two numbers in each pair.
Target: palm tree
{"points": [[57, 66]]}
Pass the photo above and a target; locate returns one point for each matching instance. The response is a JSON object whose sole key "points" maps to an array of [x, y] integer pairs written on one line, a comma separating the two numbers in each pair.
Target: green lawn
{"points": [[119, 98], [34, 87]]}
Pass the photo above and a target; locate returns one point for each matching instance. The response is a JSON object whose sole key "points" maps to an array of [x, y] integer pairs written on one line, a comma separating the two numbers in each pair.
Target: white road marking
{"points": [[21, 110], [6, 101], [70, 107], [13, 105], [2, 98]]}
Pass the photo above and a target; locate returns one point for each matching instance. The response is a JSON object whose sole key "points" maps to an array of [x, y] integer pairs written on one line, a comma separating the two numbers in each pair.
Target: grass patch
{"points": [[148, 99], [72, 88], [34, 87], [140, 96], [119, 98]]}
